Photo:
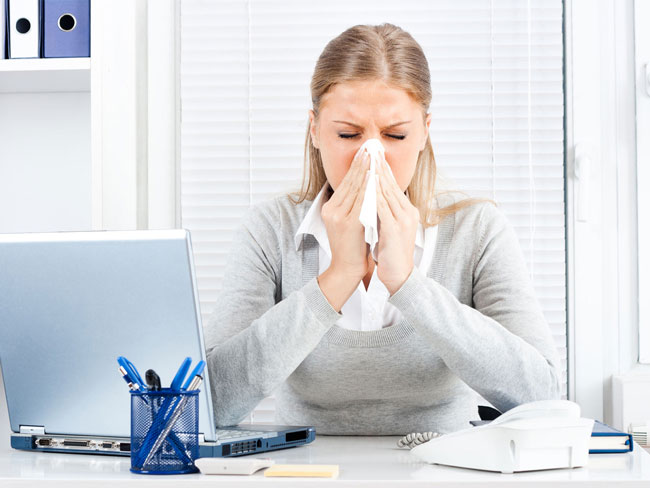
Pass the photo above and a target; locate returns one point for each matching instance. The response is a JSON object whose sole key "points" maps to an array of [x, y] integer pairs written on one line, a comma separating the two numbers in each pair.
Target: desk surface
{"points": [[363, 461]]}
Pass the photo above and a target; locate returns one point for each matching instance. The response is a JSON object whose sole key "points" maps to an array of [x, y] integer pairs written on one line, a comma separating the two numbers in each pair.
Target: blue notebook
{"points": [[608, 439]]}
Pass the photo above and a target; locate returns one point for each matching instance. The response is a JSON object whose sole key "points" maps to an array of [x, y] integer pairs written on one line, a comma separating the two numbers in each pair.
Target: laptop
{"points": [[70, 304]]}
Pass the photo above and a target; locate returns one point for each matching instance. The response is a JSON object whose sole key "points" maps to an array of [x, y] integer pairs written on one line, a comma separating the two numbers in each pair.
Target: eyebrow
{"points": [[359, 127]]}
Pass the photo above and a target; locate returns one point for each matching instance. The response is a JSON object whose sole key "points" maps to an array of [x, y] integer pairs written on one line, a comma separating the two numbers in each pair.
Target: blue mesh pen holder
{"points": [[164, 431]]}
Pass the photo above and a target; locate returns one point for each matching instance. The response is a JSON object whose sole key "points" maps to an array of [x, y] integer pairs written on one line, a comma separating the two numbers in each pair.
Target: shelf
{"points": [[44, 75]]}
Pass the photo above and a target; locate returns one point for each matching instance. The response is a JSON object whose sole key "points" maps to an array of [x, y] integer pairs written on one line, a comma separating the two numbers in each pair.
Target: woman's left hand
{"points": [[398, 224]]}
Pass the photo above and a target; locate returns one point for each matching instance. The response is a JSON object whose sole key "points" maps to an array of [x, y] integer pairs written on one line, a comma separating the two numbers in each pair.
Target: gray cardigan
{"points": [[472, 323]]}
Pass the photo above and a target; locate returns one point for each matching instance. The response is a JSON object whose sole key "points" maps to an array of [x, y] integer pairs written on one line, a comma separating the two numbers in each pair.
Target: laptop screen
{"points": [[72, 302]]}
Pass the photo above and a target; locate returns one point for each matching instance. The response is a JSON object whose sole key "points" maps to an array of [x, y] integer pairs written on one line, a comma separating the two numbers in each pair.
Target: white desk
{"points": [[363, 461]]}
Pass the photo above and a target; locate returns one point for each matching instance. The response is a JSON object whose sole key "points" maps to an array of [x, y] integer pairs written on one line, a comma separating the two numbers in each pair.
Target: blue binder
{"points": [[66, 28]]}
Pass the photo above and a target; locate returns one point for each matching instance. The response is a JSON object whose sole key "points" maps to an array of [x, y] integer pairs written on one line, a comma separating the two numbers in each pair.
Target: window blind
{"points": [[497, 129]]}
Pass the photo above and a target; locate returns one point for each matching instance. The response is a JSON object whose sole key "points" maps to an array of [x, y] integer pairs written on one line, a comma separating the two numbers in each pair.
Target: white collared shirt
{"points": [[365, 309]]}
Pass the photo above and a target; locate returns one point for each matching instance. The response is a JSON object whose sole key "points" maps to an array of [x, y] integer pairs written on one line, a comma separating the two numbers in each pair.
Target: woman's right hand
{"points": [[345, 233]]}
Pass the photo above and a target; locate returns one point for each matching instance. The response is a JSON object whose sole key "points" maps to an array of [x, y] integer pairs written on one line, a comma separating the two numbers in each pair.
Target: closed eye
{"points": [[353, 136]]}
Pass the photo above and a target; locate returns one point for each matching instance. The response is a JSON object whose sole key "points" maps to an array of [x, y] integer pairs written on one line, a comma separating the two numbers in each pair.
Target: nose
{"points": [[378, 138], [369, 137]]}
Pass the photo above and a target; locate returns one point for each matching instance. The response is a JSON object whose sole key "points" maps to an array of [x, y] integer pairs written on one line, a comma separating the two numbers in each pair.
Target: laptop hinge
{"points": [[32, 429]]}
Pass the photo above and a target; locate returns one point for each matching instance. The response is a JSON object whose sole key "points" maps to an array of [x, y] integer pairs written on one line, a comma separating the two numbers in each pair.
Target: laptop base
{"points": [[117, 446], [252, 439], [255, 439]]}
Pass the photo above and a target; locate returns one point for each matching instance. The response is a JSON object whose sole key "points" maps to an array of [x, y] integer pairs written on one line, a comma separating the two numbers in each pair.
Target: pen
{"points": [[132, 386], [133, 372], [172, 420], [180, 375], [175, 385], [198, 371], [153, 380]]}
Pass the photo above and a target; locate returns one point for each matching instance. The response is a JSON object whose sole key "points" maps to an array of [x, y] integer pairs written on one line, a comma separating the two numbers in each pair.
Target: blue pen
{"points": [[196, 372], [133, 372], [180, 375], [129, 381], [175, 386]]}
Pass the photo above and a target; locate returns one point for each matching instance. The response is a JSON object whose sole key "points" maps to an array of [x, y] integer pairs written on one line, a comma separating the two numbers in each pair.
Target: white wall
{"points": [[45, 171]]}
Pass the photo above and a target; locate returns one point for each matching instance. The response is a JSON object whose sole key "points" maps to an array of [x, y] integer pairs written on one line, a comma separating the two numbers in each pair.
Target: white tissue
{"points": [[368, 215]]}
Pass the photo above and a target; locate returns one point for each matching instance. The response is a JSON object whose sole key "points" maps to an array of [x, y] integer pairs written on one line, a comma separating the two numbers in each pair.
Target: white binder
{"points": [[24, 29]]}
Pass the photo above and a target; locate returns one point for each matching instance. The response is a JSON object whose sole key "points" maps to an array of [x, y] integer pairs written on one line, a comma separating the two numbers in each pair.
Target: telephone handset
{"points": [[547, 434], [540, 409]]}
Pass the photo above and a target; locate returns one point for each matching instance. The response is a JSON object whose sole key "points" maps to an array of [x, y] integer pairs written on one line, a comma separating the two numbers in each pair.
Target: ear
{"points": [[427, 124], [312, 128]]}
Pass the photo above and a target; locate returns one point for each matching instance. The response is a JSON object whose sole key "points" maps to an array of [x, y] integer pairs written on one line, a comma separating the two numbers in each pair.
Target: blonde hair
{"points": [[383, 52]]}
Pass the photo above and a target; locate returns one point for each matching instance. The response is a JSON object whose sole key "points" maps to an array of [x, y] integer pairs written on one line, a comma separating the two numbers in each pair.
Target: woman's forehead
{"points": [[363, 92], [360, 101]]}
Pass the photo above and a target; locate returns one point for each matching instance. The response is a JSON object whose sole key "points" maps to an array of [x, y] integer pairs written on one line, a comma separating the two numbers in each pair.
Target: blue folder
{"points": [[66, 28]]}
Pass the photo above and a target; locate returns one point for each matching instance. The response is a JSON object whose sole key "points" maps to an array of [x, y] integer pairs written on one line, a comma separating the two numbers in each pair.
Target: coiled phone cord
{"points": [[416, 438]]}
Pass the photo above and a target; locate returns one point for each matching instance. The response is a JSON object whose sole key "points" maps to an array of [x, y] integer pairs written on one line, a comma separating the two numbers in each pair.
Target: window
{"points": [[642, 48], [497, 130]]}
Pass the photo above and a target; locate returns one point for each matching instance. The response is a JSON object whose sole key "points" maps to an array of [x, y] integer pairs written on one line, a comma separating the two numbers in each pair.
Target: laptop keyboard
{"points": [[231, 434]]}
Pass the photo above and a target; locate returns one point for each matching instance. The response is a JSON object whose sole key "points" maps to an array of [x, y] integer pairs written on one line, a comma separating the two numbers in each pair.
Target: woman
{"points": [[354, 347]]}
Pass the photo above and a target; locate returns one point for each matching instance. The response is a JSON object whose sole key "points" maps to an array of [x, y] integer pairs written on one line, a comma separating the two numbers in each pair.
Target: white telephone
{"points": [[539, 435]]}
